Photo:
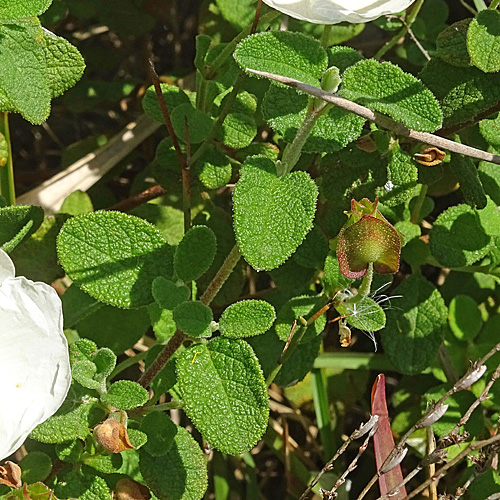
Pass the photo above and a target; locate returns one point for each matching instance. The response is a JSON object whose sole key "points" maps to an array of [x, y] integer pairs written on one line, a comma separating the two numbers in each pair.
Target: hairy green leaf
{"points": [[114, 257], [167, 294], [462, 92], [465, 317], [483, 40], [271, 215], [387, 88], [125, 395], [195, 253], [193, 318], [285, 109], [284, 53], [451, 44], [457, 238], [465, 170], [17, 223], [224, 392], [414, 329], [302, 306], [173, 96], [161, 432], [180, 474], [11, 9], [247, 318]]}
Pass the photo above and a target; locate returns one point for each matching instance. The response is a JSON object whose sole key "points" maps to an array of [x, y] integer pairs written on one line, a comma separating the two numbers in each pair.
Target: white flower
{"points": [[332, 12], [35, 374]]}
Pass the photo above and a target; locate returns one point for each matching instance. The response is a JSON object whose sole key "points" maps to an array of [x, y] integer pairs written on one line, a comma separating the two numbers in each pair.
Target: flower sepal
{"points": [[368, 237]]}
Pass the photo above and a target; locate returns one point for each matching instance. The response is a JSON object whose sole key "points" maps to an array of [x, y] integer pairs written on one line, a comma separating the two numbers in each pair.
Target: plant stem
{"points": [[292, 151], [7, 189], [494, 4], [126, 363], [220, 120], [365, 287], [384, 121], [162, 359], [402, 32], [415, 215], [186, 178], [480, 5], [211, 71], [325, 36], [222, 275], [138, 199]]}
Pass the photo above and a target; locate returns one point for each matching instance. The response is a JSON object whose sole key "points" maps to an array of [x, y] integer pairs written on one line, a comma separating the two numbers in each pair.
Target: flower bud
{"points": [[433, 415], [367, 237], [113, 436], [395, 460], [471, 378], [126, 489], [10, 474]]}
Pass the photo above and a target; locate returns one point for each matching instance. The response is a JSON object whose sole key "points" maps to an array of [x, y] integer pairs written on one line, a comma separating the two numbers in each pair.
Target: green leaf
{"points": [[451, 44], [247, 318], [195, 253], [271, 215], [17, 223], [42, 243], [284, 110], [119, 329], [465, 317], [490, 218], [199, 124], [173, 96], [387, 88], [238, 130], [11, 9], [462, 92], [225, 393], [91, 366], [483, 40], [193, 318], [180, 474], [64, 64], [78, 202], [470, 184], [313, 250], [489, 174], [161, 432], [24, 86], [125, 395], [167, 294], [458, 403], [167, 378], [114, 257], [35, 466], [214, 169], [168, 220], [333, 280], [342, 57], [414, 329], [490, 130], [402, 177], [367, 315], [162, 321], [75, 484], [284, 53], [302, 306], [240, 14], [457, 238], [71, 421], [69, 451], [107, 464]]}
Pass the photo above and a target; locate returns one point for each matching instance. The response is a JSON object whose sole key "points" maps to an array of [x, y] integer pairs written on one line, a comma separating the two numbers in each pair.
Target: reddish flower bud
{"points": [[367, 237]]}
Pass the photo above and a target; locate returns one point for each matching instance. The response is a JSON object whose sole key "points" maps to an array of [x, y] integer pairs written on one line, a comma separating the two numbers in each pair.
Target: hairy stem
{"points": [[410, 19], [7, 189]]}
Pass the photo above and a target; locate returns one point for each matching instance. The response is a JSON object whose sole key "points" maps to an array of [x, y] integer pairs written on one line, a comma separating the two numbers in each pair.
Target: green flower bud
{"points": [[367, 237]]}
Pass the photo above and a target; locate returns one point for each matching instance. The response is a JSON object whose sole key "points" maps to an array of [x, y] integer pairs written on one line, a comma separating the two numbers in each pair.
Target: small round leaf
{"points": [[247, 318]]}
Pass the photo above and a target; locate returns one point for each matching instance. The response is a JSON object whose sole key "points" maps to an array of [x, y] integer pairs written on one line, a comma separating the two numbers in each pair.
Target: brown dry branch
{"points": [[367, 427], [383, 121]]}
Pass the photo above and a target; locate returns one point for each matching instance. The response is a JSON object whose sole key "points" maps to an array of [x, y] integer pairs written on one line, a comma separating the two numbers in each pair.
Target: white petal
{"points": [[35, 373], [6, 267], [332, 12]]}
